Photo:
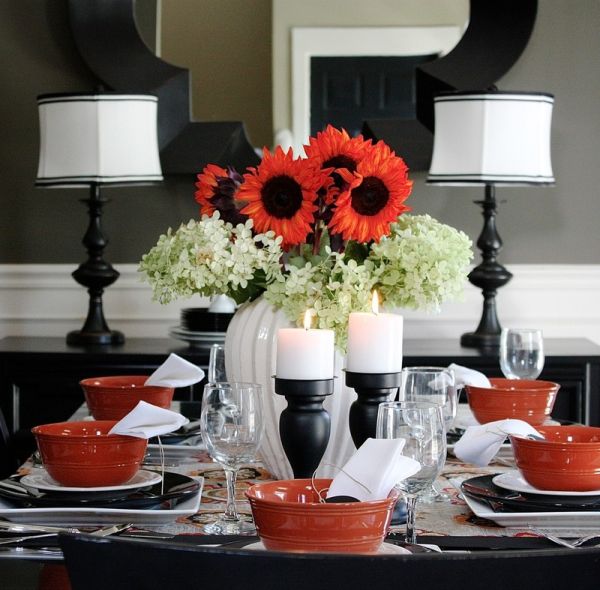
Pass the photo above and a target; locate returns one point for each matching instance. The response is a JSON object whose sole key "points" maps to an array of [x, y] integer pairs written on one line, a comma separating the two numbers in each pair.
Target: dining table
{"points": [[454, 522]]}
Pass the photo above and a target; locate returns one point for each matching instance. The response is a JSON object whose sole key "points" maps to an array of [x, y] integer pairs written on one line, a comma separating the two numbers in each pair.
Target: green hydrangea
{"points": [[419, 265], [211, 257]]}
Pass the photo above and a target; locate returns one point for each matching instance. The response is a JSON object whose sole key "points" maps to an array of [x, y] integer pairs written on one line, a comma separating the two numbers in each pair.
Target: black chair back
{"points": [[8, 459], [126, 564]]}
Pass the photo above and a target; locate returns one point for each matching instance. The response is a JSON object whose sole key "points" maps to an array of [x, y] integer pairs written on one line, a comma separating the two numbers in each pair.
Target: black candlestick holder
{"points": [[371, 389], [304, 426]]}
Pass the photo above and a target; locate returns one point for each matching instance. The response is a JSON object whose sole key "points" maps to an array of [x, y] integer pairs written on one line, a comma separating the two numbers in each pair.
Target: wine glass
{"points": [[216, 364], [434, 385], [421, 425], [521, 353], [232, 426]]}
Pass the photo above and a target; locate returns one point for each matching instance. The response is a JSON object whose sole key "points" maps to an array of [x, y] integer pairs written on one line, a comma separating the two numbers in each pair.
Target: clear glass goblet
{"points": [[421, 425], [521, 353], [435, 385], [232, 426], [216, 364]]}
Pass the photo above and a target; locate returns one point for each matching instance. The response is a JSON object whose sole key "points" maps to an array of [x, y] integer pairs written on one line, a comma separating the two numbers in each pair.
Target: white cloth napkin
{"points": [[175, 372], [479, 444], [146, 421], [378, 465], [464, 376]]}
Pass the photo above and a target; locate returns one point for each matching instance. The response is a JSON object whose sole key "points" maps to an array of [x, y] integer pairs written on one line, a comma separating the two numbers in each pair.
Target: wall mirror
{"points": [[496, 34]]}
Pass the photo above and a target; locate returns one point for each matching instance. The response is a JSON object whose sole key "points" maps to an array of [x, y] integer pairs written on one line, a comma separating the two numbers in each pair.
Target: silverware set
{"points": [[571, 543], [50, 531]]}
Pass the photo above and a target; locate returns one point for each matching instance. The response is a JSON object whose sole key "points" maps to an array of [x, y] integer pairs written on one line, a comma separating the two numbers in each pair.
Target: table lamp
{"points": [[90, 140], [491, 139]]}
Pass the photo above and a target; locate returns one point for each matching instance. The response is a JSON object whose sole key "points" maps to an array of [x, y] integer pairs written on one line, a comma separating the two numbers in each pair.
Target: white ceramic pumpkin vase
{"points": [[250, 352]]}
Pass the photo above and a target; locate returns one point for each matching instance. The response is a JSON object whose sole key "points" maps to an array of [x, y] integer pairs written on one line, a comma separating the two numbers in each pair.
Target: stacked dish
{"points": [[201, 328], [557, 482]]}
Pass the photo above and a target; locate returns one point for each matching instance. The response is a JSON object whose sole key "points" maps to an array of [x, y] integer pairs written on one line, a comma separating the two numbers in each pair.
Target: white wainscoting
{"points": [[43, 300]]}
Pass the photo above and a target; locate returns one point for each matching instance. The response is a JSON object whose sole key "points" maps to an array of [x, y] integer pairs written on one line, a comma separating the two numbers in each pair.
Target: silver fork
{"points": [[573, 544], [102, 532]]}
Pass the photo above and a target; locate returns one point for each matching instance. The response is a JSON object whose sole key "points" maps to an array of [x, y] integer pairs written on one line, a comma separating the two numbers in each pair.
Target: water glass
{"points": [[434, 385], [232, 426], [421, 425], [521, 353]]}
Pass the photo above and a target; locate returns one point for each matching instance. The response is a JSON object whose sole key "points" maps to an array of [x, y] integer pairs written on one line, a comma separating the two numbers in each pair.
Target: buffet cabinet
{"points": [[39, 377]]}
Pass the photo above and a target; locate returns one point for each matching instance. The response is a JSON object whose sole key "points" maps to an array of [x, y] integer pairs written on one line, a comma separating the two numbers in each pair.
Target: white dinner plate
{"points": [[40, 480], [101, 516], [513, 480], [551, 520]]}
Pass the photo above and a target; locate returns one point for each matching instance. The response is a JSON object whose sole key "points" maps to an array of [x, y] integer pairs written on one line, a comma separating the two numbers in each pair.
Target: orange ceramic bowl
{"points": [[523, 399], [289, 517], [568, 459], [83, 454], [111, 398]]}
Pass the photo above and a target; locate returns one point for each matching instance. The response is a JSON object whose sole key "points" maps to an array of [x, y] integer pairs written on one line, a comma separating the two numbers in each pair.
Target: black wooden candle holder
{"points": [[304, 425], [371, 389]]}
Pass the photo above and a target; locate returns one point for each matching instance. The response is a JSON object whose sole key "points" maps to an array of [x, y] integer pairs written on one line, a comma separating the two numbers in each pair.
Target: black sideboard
{"points": [[39, 376]]}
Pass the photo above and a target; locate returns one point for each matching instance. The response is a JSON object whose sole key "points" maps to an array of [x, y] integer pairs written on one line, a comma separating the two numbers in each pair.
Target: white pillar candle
{"points": [[304, 354], [374, 342]]}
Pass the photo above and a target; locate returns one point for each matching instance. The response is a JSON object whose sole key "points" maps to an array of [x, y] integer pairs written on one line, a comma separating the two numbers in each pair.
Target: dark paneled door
{"points": [[347, 90]]}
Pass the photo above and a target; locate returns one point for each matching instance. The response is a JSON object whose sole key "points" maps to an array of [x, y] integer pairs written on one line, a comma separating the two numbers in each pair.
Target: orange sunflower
{"points": [[334, 148], [374, 197], [217, 188], [208, 187], [280, 195]]}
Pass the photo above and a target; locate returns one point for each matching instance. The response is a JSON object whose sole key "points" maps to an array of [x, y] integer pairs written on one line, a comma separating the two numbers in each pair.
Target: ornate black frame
{"points": [[107, 37]]}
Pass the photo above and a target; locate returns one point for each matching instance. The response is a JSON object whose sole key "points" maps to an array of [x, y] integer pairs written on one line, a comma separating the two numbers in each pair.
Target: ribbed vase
{"points": [[250, 351]]}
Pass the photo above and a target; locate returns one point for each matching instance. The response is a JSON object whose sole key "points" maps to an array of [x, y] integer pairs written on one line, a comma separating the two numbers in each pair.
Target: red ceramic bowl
{"points": [[567, 460], [289, 517], [522, 399], [111, 398], [83, 454]]}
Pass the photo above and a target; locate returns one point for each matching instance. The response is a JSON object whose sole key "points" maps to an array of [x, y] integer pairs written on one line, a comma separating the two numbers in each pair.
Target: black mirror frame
{"points": [[108, 39]]}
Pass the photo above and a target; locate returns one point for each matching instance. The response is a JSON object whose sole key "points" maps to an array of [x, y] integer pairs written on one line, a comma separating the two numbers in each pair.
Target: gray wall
{"points": [[538, 225]]}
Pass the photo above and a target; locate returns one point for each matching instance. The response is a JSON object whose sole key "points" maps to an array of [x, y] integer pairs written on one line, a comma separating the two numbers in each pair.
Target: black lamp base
{"points": [[81, 338], [96, 274], [489, 276], [478, 340]]}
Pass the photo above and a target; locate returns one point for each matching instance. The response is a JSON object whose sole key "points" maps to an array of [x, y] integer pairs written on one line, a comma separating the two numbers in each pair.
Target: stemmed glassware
{"points": [[232, 425], [421, 425], [216, 364], [521, 353], [433, 385]]}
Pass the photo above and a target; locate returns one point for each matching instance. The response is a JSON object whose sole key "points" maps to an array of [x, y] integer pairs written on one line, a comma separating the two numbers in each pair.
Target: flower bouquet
{"points": [[318, 233]]}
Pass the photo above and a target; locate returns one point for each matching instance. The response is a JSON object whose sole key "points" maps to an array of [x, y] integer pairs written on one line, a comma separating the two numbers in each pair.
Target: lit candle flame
{"points": [[375, 303], [307, 319]]}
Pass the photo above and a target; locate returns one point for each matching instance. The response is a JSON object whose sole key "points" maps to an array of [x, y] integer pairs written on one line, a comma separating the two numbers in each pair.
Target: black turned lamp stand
{"points": [[304, 425], [371, 390], [491, 138], [489, 276], [96, 274], [89, 139]]}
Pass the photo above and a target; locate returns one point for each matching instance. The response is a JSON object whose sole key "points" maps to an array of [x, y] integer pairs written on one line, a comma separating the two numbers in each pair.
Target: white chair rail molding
{"points": [[43, 300]]}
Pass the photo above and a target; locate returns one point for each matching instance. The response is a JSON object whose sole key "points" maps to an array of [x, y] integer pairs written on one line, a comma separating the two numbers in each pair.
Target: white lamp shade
{"points": [[98, 138], [492, 138]]}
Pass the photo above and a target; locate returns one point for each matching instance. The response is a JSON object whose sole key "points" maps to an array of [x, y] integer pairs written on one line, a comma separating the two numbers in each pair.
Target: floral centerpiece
{"points": [[317, 233]]}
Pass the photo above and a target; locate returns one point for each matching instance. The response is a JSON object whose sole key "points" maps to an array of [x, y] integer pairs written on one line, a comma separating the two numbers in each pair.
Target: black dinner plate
{"points": [[177, 488], [175, 438], [501, 500]]}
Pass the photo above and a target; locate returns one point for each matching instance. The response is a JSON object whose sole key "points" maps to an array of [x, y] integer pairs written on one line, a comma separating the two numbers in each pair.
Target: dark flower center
{"points": [[370, 197], [340, 161], [281, 197]]}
